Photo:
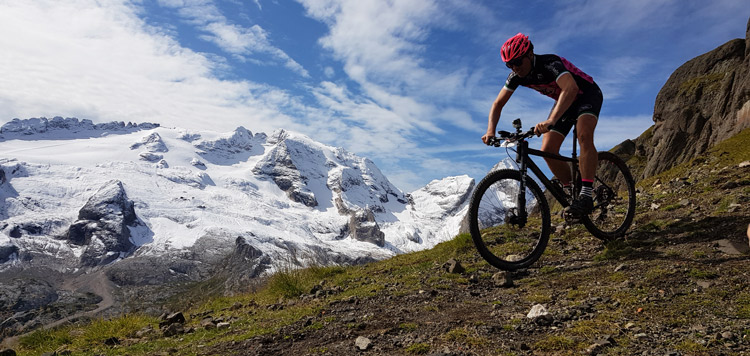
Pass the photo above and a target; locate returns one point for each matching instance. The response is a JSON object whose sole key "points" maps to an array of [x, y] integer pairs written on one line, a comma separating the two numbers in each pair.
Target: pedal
{"points": [[570, 219]]}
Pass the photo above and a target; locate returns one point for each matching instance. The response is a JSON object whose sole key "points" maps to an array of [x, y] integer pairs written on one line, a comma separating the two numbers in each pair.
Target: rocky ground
{"points": [[676, 285]]}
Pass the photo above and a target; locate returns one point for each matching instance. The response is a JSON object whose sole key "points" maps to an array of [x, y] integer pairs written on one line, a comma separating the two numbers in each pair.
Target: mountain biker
{"points": [[578, 101]]}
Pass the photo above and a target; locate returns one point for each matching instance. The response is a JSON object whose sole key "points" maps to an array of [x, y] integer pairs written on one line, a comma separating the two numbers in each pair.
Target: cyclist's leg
{"points": [[551, 143], [589, 105], [588, 158]]}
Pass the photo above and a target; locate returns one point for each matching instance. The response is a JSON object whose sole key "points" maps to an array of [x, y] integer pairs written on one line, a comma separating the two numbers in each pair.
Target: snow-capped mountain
{"points": [[74, 194]]}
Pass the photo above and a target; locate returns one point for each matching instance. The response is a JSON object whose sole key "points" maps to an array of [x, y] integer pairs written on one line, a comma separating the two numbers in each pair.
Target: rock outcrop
{"points": [[363, 227], [19, 128], [102, 225], [704, 102], [152, 143], [7, 252], [279, 165]]}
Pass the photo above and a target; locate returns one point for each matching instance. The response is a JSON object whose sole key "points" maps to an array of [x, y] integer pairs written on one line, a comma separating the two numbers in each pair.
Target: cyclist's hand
{"points": [[542, 127], [486, 138]]}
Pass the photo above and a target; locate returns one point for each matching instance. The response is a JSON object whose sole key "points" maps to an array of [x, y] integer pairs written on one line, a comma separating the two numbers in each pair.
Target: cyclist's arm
{"points": [[497, 108], [569, 91]]}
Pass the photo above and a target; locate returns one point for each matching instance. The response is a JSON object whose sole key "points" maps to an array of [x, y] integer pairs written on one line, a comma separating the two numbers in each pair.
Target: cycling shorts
{"points": [[589, 102]]}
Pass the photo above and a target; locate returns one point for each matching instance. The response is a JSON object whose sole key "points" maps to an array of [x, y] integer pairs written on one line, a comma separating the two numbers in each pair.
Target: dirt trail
{"points": [[95, 282]]}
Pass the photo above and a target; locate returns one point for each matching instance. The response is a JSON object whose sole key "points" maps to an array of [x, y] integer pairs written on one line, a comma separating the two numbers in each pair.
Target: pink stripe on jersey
{"points": [[573, 69]]}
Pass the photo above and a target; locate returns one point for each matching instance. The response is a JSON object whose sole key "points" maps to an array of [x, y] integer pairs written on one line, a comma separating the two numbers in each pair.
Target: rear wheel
{"points": [[507, 237], [614, 199]]}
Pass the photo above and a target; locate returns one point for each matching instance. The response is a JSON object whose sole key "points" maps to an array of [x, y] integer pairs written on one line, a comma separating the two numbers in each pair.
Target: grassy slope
{"points": [[666, 287]]}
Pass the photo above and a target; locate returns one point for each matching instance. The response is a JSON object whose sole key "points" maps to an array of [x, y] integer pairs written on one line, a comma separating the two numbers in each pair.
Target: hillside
{"points": [[676, 285]]}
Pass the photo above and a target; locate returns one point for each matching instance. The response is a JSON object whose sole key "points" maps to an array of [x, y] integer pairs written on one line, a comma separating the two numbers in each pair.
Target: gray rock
{"points": [[502, 279], [362, 343], [172, 330], [150, 157], [148, 330], [208, 323], [727, 335], [174, 318], [453, 266]]}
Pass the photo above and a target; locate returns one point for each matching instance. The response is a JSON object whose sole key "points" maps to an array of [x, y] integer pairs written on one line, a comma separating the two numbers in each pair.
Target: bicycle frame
{"points": [[525, 162]]}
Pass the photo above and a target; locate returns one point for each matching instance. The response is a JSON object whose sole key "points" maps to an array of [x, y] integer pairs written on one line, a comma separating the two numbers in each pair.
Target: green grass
{"points": [[702, 274], [408, 327], [418, 349], [97, 332], [558, 344], [709, 82], [615, 250], [408, 271], [743, 304], [728, 153]]}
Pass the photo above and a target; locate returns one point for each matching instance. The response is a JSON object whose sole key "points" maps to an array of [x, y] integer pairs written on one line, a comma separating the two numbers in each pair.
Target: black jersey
{"points": [[546, 69]]}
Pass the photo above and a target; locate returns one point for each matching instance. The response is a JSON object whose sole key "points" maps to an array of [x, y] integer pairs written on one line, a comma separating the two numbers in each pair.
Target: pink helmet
{"points": [[515, 47]]}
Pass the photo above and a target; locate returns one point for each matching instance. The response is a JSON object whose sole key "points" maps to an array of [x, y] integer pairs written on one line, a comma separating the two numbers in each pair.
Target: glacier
{"points": [[289, 198]]}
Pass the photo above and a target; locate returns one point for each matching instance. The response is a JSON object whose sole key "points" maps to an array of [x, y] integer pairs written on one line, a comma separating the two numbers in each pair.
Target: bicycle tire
{"points": [[503, 244], [614, 199]]}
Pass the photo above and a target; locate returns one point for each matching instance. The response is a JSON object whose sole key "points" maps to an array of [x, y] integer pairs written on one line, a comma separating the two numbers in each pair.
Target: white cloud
{"points": [[241, 42], [108, 65], [382, 48]]}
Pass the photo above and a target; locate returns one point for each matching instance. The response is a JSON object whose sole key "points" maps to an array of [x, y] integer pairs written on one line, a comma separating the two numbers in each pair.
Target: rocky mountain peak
{"points": [[103, 225], [705, 101]]}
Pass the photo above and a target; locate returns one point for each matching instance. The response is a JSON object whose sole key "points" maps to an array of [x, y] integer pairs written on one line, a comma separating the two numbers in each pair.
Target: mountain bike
{"points": [[509, 216]]}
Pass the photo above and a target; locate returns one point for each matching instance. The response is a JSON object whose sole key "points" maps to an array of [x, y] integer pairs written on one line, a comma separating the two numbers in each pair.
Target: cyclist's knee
{"points": [[586, 138], [552, 143]]}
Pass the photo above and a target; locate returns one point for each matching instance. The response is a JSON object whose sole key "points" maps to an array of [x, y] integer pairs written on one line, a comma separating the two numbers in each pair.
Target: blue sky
{"points": [[407, 83]]}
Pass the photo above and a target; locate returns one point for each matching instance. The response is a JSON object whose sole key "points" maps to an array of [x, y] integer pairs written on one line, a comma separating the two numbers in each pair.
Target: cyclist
{"points": [[578, 101]]}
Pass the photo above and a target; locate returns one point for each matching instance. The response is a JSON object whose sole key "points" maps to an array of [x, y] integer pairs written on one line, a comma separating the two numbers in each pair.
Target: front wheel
{"points": [[507, 235], [614, 199]]}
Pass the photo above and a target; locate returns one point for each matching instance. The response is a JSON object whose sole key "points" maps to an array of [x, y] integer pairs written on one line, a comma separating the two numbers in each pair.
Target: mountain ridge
{"points": [[150, 206]]}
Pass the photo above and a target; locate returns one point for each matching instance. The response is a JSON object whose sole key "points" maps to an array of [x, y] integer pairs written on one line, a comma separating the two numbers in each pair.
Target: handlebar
{"points": [[506, 136]]}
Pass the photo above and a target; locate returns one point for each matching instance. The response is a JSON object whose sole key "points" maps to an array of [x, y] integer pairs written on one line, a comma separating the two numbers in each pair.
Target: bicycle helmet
{"points": [[515, 47]]}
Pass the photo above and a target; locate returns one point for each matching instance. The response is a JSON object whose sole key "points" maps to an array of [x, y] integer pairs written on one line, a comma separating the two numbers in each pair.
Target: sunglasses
{"points": [[515, 62]]}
